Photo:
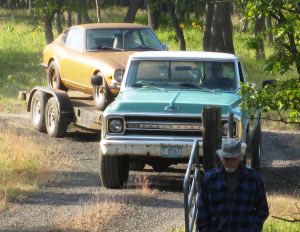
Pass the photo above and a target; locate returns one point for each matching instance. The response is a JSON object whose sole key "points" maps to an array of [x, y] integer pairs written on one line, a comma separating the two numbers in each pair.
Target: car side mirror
{"points": [[97, 80], [269, 82]]}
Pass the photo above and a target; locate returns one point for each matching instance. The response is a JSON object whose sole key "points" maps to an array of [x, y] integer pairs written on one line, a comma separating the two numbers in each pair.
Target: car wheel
{"points": [[56, 127], [102, 95], [114, 171], [54, 80], [256, 148], [37, 110]]}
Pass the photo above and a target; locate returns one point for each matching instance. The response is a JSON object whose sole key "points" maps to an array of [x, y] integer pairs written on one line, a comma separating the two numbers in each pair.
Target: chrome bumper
{"points": [[150, 148]]}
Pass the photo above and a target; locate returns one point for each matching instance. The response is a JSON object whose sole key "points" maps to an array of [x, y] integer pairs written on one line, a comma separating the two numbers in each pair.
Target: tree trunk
{"points": [[134, 5], [85, 16], [68, 18], [209, 12], [48, 29], [57, 19], [258, 29], [269, 28], [29, 6], [153, 15], [227, 29], [98, 11], [217, 41], [78, 19], [176, 26]]}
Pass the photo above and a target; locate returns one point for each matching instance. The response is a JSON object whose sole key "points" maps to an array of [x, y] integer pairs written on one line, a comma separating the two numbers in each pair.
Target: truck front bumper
{"points": [[156, 148]]}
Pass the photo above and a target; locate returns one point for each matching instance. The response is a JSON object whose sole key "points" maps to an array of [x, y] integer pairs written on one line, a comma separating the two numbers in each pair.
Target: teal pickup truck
{"points": [[157, 114]]}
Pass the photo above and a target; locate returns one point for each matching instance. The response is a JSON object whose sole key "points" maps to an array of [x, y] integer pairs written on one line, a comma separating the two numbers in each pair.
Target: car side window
{"points": [[241, 72], [74, 39]]}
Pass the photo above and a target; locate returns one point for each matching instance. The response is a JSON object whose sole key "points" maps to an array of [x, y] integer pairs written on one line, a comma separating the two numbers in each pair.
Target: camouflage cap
{"points": [[231, 148]]}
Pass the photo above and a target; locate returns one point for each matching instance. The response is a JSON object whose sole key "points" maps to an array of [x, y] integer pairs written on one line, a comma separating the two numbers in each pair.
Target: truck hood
{"points": [[173, 102]]}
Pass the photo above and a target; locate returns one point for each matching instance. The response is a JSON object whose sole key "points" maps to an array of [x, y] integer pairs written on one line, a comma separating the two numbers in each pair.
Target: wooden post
{"points": [[212, 136], [230, 125]]}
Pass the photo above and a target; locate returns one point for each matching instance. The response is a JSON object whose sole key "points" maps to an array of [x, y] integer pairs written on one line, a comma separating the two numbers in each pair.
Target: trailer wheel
{"points": [[56, 127], [256, 148], [114, 171], [37, 110], [54, 79]]}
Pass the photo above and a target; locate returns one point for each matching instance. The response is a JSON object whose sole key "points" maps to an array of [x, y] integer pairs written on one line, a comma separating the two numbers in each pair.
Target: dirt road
{"points": [[75, 201]]}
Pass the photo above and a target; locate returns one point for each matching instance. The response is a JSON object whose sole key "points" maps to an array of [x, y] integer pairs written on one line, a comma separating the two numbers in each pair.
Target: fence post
{"points": [[212, 136]]}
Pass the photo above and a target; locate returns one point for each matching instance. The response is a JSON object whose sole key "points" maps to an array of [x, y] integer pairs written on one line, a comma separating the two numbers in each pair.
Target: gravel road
{"points": [[75, 201]]}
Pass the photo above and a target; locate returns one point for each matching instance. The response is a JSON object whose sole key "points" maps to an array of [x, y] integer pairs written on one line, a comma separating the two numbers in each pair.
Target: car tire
{"points": [[114, 171], [53, 77], [102, 95], [56, 127], [256, 148], [37, 109]]}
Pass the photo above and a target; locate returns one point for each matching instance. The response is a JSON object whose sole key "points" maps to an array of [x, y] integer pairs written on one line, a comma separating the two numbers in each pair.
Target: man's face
{"points": [[231, 164]]}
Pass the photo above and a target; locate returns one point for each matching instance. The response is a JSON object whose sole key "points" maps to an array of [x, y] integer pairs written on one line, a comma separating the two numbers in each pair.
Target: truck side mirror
{"points": [[269, 82]]}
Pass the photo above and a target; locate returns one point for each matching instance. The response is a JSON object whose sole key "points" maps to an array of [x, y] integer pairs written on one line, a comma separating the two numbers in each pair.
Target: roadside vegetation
{"points": [[23, 165]]}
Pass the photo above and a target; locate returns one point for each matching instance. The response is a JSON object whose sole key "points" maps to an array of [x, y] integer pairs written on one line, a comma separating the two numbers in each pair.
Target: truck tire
{"points": [[114, 171], [56, 127], [37, 109], [256, 148], [136, 166], [53, 77]]}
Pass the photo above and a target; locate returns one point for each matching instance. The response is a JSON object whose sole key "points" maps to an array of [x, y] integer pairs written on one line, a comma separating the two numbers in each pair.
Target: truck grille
{"points": [[162, 125]]}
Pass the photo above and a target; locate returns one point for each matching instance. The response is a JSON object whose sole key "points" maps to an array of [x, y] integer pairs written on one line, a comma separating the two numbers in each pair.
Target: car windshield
{"points": [[122, 39], [186, 75]]}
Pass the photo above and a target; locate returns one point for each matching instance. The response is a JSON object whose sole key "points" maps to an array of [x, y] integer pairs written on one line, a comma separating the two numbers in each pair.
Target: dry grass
{"points": [[93, 216], [23, 164]]}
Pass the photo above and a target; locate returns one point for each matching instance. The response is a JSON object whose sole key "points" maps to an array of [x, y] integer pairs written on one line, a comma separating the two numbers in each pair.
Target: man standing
{"points": [[232, 197]]}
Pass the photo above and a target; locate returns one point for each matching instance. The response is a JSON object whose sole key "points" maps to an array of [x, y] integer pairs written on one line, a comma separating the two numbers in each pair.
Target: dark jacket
{"points": [[247, 211]]}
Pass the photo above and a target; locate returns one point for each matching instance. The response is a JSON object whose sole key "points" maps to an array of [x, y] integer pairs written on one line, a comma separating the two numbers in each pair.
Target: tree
{"points": [[218, 27], [282, 97], [134, 5]]}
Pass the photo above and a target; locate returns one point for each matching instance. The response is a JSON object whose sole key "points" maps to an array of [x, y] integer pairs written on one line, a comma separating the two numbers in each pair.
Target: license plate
{"points": [[171, 151]]}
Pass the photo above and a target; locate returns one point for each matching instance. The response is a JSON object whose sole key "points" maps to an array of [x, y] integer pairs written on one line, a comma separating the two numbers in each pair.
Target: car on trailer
{"points": [[95, 53], [157, 115]]}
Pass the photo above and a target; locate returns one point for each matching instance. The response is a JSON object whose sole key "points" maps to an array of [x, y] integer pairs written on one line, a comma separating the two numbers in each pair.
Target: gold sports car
{"points": [[91, 58]]}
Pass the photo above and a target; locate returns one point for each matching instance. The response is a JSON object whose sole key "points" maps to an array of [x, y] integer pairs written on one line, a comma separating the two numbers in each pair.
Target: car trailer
{"points": [[52, 110]]}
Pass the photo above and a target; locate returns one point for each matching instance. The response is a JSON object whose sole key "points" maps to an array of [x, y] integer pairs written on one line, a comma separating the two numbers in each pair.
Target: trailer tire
{"points": [[114, 171], [56, 126], [53, 77], [256, 148], [37, 109]]}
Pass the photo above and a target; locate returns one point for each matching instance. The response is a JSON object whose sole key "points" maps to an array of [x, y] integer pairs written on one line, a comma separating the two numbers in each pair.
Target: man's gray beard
{"points": [[230, 170]]}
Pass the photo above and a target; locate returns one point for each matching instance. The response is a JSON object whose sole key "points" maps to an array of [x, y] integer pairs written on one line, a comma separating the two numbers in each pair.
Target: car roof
{"points": [[110, 25], [184, 55]]}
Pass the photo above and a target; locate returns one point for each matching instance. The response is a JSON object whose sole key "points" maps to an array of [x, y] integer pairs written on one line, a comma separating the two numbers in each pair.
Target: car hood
{"points": [[173, 102], [114, 59]]}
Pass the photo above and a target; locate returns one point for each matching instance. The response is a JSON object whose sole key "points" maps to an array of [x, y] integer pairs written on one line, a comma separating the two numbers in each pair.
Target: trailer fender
{"points": [[65, 107]]}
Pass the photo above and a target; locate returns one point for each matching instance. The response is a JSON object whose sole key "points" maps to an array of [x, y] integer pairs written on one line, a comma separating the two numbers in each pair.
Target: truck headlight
{"points": [[116, 125]]}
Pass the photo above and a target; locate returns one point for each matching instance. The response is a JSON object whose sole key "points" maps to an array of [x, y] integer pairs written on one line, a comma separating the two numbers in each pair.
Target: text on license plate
{"points": [[171, 151]]}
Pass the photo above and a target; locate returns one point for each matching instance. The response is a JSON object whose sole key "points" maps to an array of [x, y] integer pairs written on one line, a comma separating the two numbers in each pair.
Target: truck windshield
{"points": [[197, 75]]}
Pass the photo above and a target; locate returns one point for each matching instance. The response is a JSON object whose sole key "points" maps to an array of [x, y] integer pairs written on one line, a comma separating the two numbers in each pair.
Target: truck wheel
{"points": [[256, 148], [55, 126], [136, 166], [114, 171], [53, 77], [37, 110]]}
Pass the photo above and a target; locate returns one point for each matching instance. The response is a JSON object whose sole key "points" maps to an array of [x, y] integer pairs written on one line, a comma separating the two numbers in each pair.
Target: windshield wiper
{"points": [[195, 86], [106, 48], [146, 85], [146, 47]]}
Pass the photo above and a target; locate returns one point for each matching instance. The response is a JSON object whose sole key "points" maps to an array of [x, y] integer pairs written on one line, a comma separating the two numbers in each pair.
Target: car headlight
{"points": [[116, 125], [119, 75]]}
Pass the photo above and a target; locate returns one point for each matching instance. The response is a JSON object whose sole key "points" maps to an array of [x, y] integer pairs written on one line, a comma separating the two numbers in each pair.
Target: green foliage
{"points": [[282, 98]]}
